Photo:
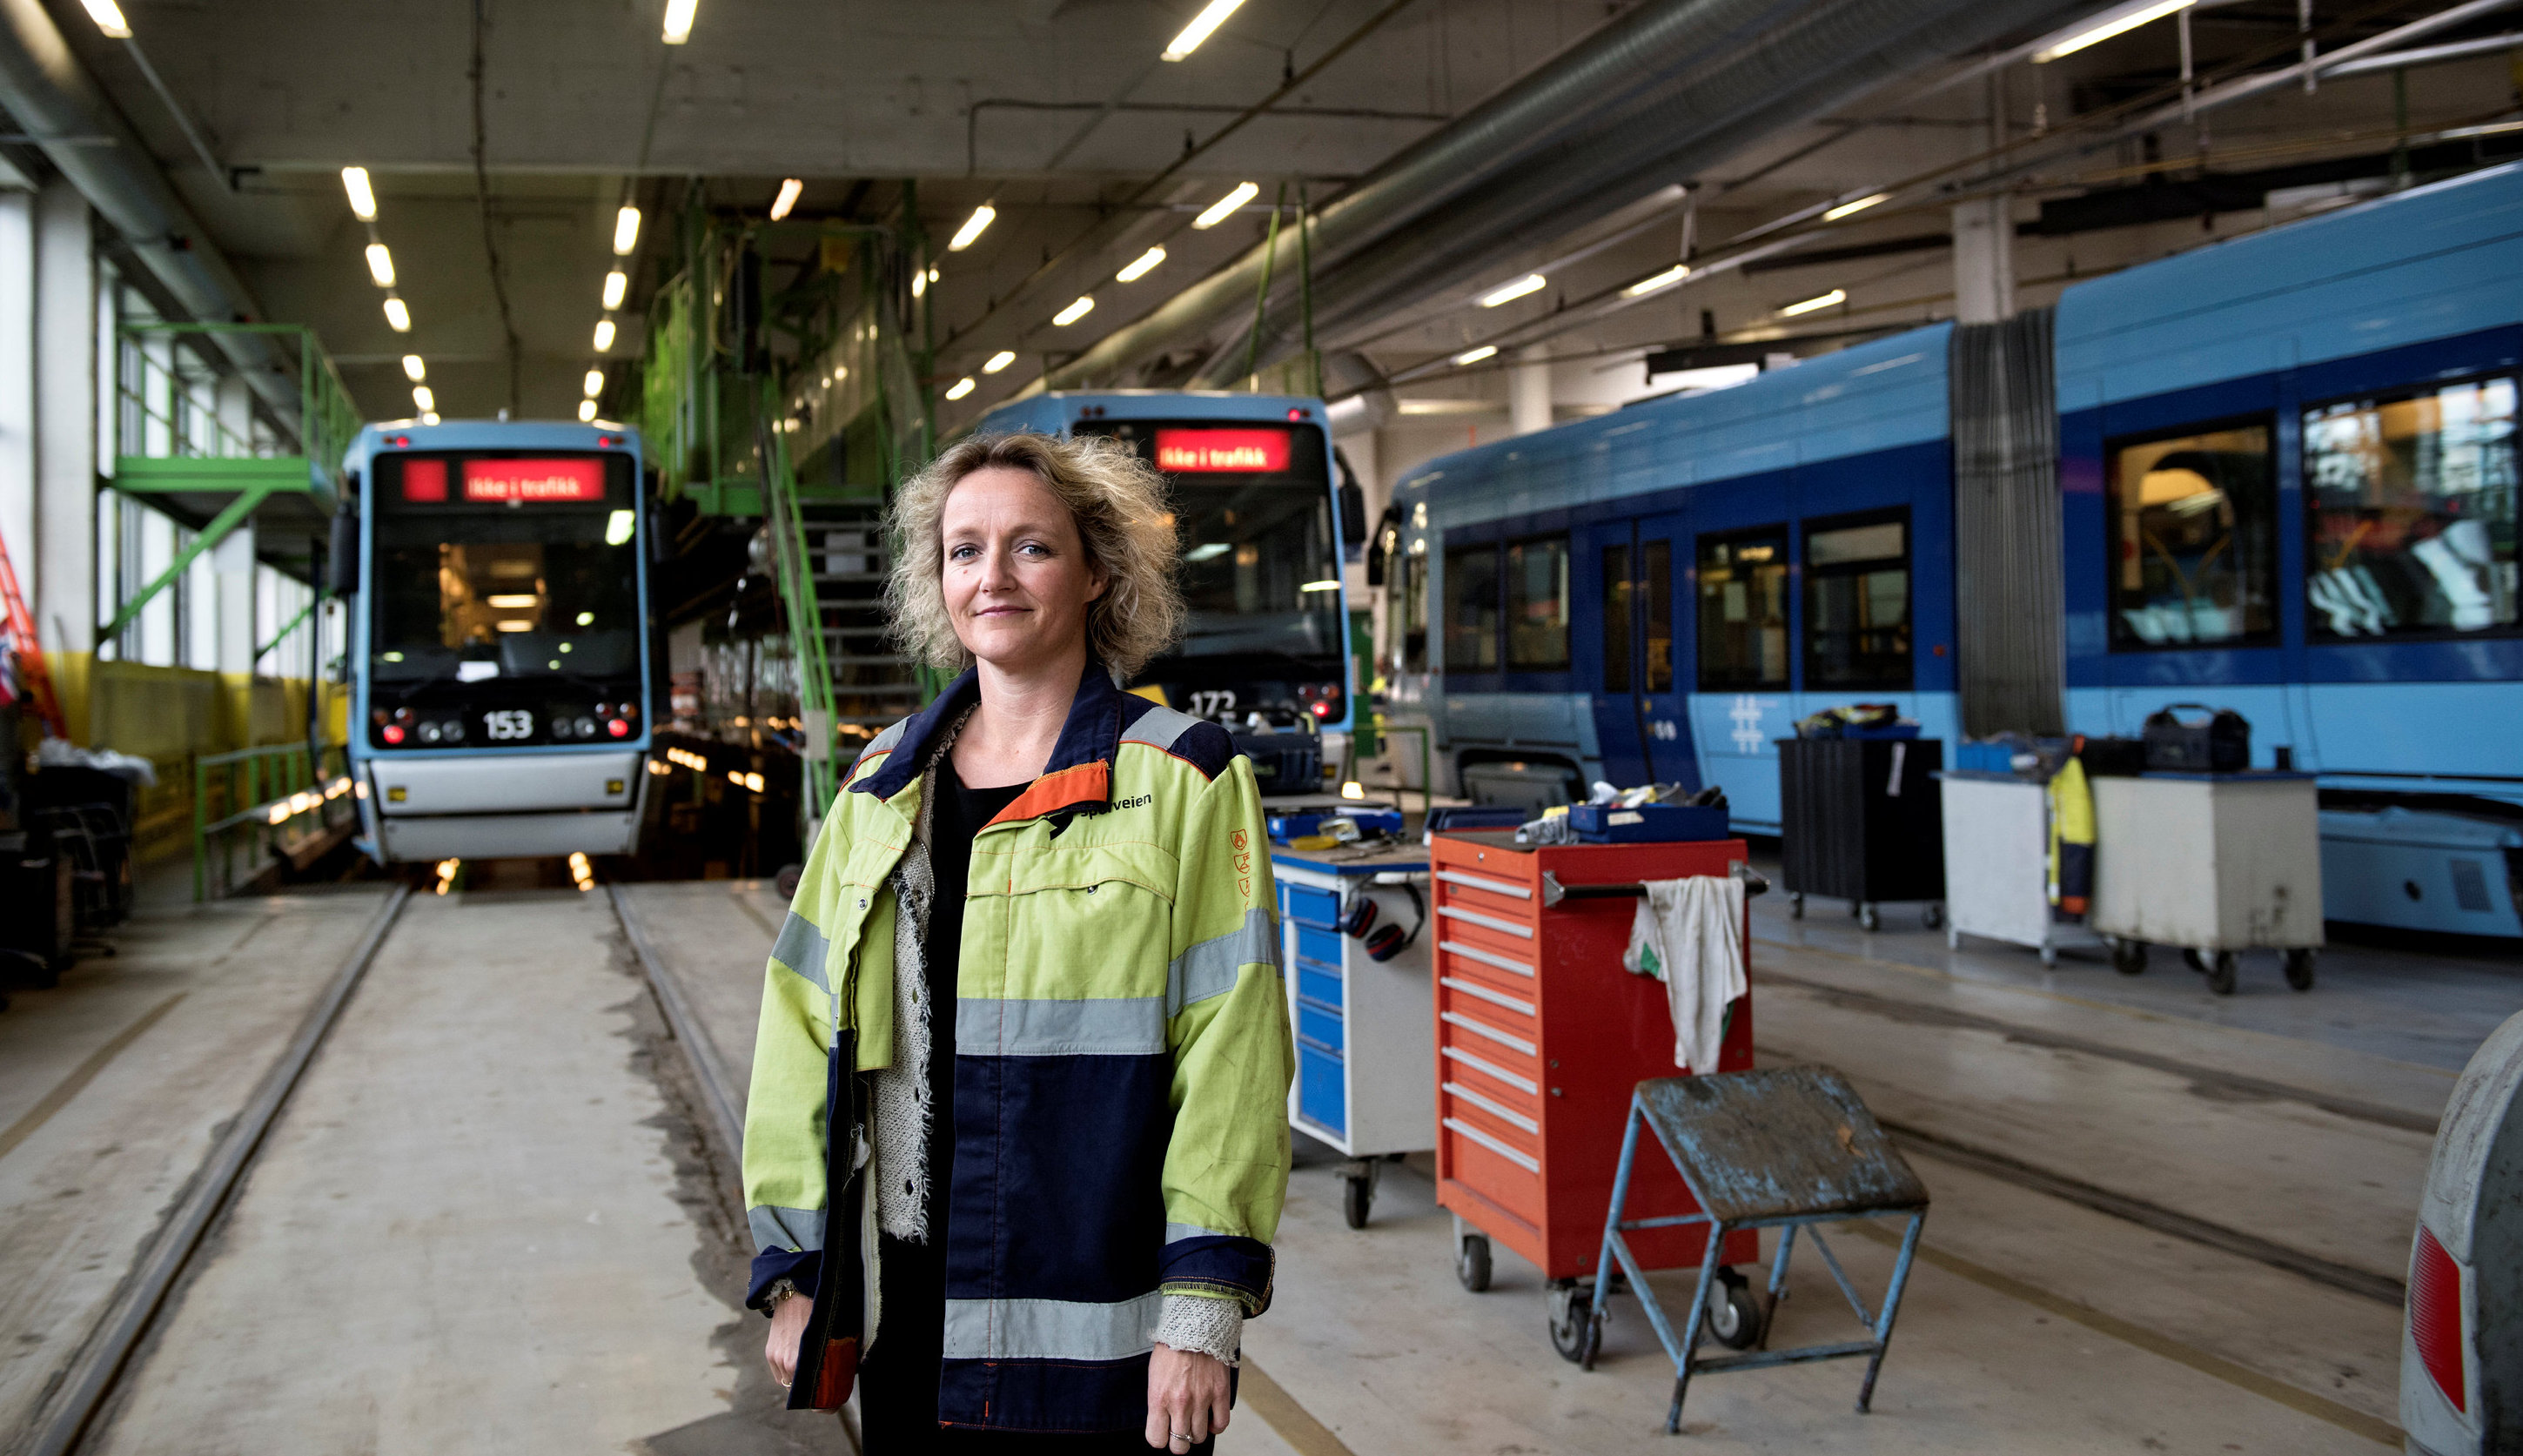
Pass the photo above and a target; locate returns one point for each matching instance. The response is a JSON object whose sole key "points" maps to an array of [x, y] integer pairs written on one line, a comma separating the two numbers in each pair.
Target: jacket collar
{"points": [[1078, 778]]}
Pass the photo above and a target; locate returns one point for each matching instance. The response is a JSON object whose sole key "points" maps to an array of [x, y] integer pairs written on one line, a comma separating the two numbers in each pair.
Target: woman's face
{"points": [[1016, 577]]}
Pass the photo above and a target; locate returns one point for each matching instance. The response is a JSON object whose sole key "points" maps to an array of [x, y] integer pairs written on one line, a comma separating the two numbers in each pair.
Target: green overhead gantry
{"points": [[187, 434], [803, 403]]}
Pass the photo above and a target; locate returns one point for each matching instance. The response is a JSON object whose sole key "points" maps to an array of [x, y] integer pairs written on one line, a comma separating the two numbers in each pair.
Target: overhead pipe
{"points": [[53, 97], [1628, 60], [1816, 62]]}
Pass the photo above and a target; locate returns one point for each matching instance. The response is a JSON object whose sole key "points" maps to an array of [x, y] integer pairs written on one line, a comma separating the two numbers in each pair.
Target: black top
{"points": [[958, 816]]}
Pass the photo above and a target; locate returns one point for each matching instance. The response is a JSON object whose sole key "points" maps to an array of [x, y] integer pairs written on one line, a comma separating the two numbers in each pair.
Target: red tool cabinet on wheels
{"points": [[1541, 1036]]}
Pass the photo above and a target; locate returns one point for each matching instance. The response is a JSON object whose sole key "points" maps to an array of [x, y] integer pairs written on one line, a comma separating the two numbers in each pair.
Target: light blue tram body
{"points": [[2417, 730], [539, 785]]}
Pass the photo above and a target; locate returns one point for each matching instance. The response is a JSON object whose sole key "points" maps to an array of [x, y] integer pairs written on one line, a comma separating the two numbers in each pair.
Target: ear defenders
{"points": [[1387, 940]]}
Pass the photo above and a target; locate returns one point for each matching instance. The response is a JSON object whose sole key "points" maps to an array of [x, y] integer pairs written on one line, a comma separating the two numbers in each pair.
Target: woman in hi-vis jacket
{"points": [[1018, 1135]]}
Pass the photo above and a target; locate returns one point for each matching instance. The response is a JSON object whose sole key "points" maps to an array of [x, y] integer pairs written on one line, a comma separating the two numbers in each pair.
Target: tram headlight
{"points": [[618, 728], [585, 728], [391, 732], [429, 732]]}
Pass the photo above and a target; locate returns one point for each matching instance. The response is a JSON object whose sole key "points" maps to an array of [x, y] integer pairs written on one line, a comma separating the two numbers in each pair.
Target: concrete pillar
{"points": [[65, 446], [17, 388], [1528, 384], [232, 580], [1984, 259]]}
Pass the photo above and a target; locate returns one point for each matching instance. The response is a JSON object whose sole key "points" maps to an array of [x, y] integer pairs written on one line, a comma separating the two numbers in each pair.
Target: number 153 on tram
{"points": [[499, 686]]}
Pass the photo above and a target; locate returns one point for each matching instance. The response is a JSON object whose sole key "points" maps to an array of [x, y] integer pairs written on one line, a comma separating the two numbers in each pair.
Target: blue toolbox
{"points": [[1370, 819], [1648, 824]]}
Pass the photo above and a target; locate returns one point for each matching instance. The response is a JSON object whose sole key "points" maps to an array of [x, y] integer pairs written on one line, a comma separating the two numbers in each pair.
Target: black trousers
{"points": [[898, 1382]]}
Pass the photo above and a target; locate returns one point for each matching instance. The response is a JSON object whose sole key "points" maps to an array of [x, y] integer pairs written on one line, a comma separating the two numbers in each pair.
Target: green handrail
{"points": [[266, 789]]}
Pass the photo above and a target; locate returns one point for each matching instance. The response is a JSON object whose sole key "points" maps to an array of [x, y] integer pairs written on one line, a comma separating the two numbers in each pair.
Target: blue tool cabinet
{"points": [[1365, 1031]]}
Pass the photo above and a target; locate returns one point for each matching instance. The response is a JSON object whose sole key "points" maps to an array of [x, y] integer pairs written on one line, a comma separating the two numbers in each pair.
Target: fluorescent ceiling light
{"points": [[422, 396], [617, 530], [1221, 210], [1835, 295], [413, 369], [1475, 356], [626, 230], [514, 624], [679, 19], [1653, 281], [787, 198], [1326, 584], [398, 315], [972, 228], [381, 265], [604, 335], [109, 19], [1140, 266], [587, 410], [1859, 205], [933, 272], [2111, 23], [363, 198], [999, 361], [1207, 551], [1084, 306], [1509, 293], [513, 601], [919, 284], [617, 284], [429, 416], [594, 383], [1210, 16], [959, 388]]}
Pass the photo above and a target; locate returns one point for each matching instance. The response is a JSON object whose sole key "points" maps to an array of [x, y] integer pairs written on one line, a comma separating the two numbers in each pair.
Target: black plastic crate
{"points": [[1861, 819]]}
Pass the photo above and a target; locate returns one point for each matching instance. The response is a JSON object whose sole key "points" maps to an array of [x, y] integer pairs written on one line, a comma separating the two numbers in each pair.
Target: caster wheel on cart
{"points": [[2191, 957], [1935, 915], [1472, 1262], [1797, 904], [1867, 919], [1734, 1311], [1575, 1333], [2049, 955], [2299, 970], [2221, 973], [2129, 957], [1357, 1198]]}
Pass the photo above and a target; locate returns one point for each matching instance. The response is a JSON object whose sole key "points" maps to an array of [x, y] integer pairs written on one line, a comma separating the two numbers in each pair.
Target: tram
{"points": [[1265, 512], [2286, 485], [499, 627]]}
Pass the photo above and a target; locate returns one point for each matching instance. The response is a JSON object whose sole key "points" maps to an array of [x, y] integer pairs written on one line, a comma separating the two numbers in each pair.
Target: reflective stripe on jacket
{"points": [[1122, 1054]]}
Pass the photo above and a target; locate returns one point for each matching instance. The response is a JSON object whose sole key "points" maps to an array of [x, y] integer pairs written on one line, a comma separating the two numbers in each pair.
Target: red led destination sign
{"points": [[533, 481], [1253, 450]]}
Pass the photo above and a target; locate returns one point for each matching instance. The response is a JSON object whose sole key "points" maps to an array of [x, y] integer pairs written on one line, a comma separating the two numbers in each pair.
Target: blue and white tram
{"points": [[1259, 505], [500, 671], [2287, 484]]}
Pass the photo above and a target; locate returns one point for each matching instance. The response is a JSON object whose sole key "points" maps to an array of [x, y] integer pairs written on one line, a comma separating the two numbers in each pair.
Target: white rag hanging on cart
{"points": [[1689, 934]]}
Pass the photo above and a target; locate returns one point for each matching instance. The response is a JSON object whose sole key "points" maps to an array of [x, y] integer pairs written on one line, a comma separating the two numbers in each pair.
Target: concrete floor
{"points": [[2163, 1220]]}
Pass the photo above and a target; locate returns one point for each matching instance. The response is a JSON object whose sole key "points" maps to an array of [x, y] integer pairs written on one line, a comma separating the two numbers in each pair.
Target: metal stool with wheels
{"points": [[1788, 1148]]}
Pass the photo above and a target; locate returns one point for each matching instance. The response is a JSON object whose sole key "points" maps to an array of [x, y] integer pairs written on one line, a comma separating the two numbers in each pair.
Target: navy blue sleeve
{"points": [[800, 1267]]}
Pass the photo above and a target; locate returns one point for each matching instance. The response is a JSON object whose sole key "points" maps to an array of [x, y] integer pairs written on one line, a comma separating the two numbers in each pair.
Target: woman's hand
{"points": [[787, 1328], [1187, 1399]]}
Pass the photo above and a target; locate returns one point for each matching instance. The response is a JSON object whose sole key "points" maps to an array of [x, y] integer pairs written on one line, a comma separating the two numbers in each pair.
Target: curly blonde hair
{"points": [[1118, 503]]}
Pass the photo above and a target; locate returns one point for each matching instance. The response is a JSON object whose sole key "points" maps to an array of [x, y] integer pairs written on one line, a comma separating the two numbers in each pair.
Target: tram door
{"points": [[1664, 687], [1636, 697]]}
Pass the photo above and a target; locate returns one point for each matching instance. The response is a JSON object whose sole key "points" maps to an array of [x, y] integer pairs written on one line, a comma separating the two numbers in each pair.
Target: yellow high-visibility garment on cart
{"points": [[2071, 840]]}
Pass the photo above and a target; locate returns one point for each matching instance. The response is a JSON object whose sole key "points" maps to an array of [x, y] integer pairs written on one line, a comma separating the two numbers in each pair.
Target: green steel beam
{"points": [[211, 536], [153, 474]]}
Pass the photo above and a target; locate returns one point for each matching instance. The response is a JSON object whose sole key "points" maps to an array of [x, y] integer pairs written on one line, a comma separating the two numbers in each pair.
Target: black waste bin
{"points": [[1860, 822]]}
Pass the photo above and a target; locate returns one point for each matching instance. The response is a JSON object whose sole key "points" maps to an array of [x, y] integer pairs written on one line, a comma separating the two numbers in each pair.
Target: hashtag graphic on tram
{"points": [[1747, 714]]}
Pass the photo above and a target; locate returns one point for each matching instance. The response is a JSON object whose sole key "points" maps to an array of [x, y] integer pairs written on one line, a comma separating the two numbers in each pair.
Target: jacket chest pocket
{"points": [[1083, 924]]}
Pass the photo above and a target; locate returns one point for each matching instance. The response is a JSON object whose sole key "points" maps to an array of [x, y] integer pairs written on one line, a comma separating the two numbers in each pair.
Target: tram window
{"points": [[1472, 609], [1659, 583], [1857, 605], [1537, 605], [1414, 609], [2196, 539], [1744, 611], [2412, 511], [1617, 605]]}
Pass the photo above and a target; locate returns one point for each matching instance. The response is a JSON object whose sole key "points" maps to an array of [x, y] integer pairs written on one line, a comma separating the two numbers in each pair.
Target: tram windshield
{"points": [[504, 567], [1253, 505]]}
